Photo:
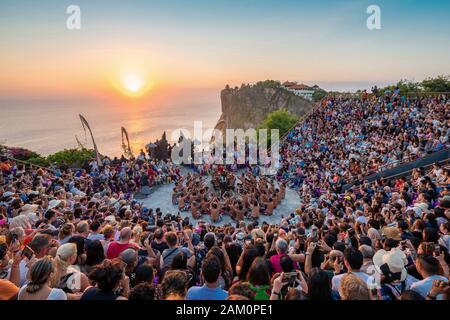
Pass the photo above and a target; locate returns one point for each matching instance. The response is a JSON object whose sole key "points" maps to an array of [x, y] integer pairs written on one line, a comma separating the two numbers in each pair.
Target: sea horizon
{"points": [[47, 126]]}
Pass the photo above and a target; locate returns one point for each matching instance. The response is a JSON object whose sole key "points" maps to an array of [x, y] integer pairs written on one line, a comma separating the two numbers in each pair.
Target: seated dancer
{"points": [[238, 196], [183, 205], [215, 208], [269, 206], [196, 210], [239, 211], [255, 209]]}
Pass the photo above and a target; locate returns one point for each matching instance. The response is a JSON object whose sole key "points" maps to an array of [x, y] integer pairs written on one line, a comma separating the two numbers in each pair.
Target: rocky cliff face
{"points": [[247, 107]]}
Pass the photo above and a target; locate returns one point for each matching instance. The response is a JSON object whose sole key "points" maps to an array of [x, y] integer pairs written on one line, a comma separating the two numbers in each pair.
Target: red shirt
{"points": [[116, 248]]}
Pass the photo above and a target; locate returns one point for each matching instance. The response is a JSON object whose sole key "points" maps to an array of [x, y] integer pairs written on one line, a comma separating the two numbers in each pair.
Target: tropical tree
{"points": [[438, 84], [280, 119]]}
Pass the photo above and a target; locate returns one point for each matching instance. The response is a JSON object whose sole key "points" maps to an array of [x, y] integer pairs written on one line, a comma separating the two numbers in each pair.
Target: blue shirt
{"points": [[424, 286], [205, 293]]}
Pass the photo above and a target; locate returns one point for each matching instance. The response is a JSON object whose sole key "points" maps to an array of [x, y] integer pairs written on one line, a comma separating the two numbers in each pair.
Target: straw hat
{"points": [[392, 233], [422, 206], [54, 203], [111, 220], [29, 208]]}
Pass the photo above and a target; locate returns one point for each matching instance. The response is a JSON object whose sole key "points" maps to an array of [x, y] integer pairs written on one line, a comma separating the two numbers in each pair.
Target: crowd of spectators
{"points": [[81, 235]]}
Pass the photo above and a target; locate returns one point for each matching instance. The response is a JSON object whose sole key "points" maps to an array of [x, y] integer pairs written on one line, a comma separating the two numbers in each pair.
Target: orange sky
{"points": [[174, 45]]}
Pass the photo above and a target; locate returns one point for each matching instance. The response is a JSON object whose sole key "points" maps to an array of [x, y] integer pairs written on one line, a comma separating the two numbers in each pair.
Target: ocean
{"points": [[51, 125]]}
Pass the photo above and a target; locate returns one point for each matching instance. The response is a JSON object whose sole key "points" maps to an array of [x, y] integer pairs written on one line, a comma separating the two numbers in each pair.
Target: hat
{"points": [[402, 202], [29, 208], [240, 236], [417, 211], [422, 206], [111, 220], [54, 203], [7, 194], [258, 233], [33, 217], [391, 264], [392, 233]]}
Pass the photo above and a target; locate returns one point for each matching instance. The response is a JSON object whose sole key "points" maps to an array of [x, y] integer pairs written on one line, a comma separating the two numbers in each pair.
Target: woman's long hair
{"points": [[250, 254], [66, 230], [40, 274], [319, 286], [61, 262], [259, 275]]}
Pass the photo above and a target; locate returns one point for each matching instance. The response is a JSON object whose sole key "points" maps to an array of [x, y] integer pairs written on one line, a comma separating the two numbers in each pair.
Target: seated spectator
{"points": [[108, 277], [39, 286], [352, 287], [211, 270]]}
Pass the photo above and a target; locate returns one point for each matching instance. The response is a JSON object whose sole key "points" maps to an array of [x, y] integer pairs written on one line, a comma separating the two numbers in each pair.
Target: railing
{"points": [[445, 163], [29, 163], [442, 157], [398, 163]]}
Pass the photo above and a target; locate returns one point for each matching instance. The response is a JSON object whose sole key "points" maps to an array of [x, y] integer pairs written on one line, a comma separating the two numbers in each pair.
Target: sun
{"points": [[133, 83]]}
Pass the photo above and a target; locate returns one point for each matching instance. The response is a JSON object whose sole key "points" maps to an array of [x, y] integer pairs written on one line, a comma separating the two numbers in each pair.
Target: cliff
{"points": [[247, 106]]}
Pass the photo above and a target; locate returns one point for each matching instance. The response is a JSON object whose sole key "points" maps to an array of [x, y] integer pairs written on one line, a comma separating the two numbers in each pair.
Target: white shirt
{"points": [[55, 294], [336, 281]]}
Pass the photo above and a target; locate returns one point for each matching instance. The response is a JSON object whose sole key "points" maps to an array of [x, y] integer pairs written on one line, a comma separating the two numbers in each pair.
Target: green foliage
{"points": [[429, 85], [280, 119], [408, 86], [71, 157], [439, 84], [268, 84], [319, 95], [39, 161], [260, 84]]}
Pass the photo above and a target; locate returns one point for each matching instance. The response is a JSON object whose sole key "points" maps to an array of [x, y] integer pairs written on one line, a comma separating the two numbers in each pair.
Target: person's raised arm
{"points": [[227, 259], [240, 262], [302, 282], [150, 252], [439, 287], [308, 259], [188, 240], [125, 283], [443, 263], [277, 285], [14, 276]]}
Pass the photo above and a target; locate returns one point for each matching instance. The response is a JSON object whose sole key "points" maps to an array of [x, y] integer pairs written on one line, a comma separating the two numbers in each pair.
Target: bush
{"points": [[319, 95], [21, 153], [71, 157], [429, 85], [439, 84], [39, 161], [280, 119]]}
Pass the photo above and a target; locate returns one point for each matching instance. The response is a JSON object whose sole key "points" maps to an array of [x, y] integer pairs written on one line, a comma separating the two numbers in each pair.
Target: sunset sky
{"points": [[207, 44]]}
